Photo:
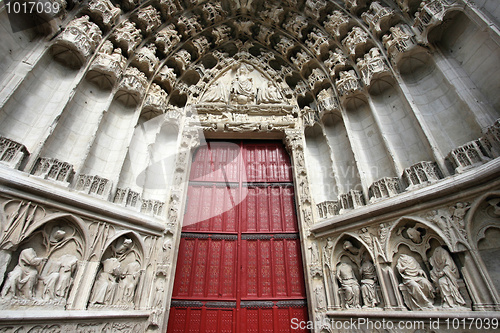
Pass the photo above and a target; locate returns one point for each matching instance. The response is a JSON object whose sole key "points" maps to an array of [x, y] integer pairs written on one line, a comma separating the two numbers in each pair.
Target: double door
{"points": [[239, 267]]}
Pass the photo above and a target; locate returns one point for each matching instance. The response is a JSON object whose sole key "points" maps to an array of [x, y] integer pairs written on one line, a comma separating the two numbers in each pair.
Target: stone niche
{"points": [[39, 261]]}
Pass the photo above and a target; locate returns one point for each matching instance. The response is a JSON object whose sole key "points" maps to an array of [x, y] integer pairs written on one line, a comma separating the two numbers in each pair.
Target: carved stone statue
{"points": [[105, 285], [22, 280], [268, 94], [59, 279], [414, 235], [314, 253], [216, 93], [350, 248], [320, 298], [445, 275], [420, 292], [242, 89], [349, 284], [128, 283], [368, 284]]}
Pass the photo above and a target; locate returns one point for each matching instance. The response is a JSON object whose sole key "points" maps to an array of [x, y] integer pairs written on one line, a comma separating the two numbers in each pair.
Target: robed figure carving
{"points": [[420, 293], [445, 275], [349, 284], [242, 88], [368, 284], [22, 280]]}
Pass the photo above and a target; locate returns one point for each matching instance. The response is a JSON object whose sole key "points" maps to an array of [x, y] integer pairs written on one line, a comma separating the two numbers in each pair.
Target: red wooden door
{"points": [[239, 267]]}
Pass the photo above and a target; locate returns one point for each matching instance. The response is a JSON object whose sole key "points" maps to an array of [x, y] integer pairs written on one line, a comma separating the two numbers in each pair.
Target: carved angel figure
{"points": [[349, 284], [445, 276], [22, 280], [420, 290]]}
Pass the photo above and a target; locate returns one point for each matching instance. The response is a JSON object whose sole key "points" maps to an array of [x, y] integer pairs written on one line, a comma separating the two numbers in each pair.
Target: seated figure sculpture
{"points": [[22, 280], [349, 284], [420, 292], [445, 275]]}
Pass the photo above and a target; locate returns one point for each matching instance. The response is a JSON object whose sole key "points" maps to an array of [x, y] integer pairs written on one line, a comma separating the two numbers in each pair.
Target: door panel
{"points": [[239, 267], [206, 267], [268, 209], [270, 268], [211, 208]]}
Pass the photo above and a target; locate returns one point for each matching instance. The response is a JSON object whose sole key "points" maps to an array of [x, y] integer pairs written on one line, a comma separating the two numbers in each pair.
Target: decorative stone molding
{"points": [[221, 33], [385, 188], [213, 12], [309, 116], [103, 11], [107, 66], [400, 40], [189, 25], [132, 86], [317, 41], [201, 44], [167, 38], [155, 102], [12, 153], [429, 15], [145, 59], [166, 78], [355, 6], [301, 88], [126, 197], [451, 221], [421, 173], [317, 79], [147, 19], [53, 169], [313, 8], [379, 18], [348, 83], [327, 209], [372, 66], [301, 59], [357, 42], [93, 185], [182, 59], [168, 8], [285, 45], [273, 13], [77, 42], [294, 23], [327, 102], [351, 200], [467, 156], [127, 36], [152, 207], [337, 23], [408, 6], [491, 139], [336, 62]]}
